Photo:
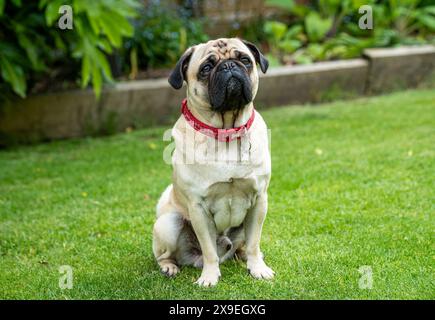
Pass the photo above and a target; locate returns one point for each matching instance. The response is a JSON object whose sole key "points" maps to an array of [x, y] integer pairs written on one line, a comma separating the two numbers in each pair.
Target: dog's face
{"points": [[220, 74]]}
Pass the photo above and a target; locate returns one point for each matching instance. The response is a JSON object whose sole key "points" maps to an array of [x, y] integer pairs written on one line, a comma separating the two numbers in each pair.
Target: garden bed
{"points": [[137, 104]]}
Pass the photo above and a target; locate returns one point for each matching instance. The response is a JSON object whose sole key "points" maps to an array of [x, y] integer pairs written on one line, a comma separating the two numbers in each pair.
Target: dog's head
{"points": [[220, 74]]}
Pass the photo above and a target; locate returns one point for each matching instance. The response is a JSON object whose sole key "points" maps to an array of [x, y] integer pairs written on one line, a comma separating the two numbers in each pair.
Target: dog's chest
{"points": [[229, 202]]}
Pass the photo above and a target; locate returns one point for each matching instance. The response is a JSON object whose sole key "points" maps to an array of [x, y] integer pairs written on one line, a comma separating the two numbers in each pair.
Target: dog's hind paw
{"points": [[169, 269]]}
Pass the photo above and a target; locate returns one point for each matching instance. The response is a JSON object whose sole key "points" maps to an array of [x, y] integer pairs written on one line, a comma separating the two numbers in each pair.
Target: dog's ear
{"points": [[259, 58], [178, 75]]}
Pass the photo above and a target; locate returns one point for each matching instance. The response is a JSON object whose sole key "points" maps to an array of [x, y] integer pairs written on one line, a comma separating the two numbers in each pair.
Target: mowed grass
{"points": [[352, 186]]}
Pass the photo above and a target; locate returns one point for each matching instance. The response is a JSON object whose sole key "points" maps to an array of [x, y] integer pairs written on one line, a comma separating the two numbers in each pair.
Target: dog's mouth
{"points": [[230, 88]]}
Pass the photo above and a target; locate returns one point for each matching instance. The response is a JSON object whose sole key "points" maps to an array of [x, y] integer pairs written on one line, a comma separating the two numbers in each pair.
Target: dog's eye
{"points": [[207, 68], [246, 61]]}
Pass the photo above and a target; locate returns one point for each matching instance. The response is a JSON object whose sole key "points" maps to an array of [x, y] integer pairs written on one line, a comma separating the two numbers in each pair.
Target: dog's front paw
{"points": [[209, 277], [259, 270]]}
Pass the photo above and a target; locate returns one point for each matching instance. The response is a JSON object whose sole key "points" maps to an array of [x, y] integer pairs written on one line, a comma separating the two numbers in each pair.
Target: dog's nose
{"points": [[227, 66]]}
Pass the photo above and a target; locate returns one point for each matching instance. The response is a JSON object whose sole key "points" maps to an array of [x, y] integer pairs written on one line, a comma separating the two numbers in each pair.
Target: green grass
{"points": [[352, 185]]}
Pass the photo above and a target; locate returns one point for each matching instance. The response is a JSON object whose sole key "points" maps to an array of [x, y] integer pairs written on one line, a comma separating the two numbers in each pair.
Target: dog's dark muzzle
{"points": [[229, 87]]}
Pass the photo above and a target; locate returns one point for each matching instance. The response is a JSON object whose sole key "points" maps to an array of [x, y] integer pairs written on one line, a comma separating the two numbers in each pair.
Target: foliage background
{"points": [[115, 39], [328, 29]]}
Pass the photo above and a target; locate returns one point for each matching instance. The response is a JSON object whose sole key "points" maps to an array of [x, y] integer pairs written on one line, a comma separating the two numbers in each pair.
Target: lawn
{"points": [[353, 184]]}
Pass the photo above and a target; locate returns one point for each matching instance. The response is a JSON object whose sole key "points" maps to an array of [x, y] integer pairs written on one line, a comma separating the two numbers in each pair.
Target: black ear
{"points": [[178, 75], [259, 58]]}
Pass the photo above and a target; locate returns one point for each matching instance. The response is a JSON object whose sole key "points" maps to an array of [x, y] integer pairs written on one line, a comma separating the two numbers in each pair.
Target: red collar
{"points": [[223, 135]]}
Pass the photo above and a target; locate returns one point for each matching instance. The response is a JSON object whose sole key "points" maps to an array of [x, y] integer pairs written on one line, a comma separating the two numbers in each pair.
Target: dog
{"points": [[217, 202]]}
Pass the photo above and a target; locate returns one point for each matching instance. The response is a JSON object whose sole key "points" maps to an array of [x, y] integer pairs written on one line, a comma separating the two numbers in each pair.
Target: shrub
{"points": [[328, 29], [162, 34], [32, 46]]}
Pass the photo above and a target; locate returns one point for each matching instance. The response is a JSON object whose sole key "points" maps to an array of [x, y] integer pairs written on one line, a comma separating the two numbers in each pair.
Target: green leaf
{"points": [[429, 9], [275, 29], [80, 6], [316, 51], [104, 44], [2, 7], [17, 3], [31, 51], [14, 75], [97, 82], [330, 7], [93, 21], [123, 25], [103, 64], [86, 71], [294, 32], [111, 31], [301, 11], [427, 20], [339, 51], [42, 3], [289, 46], [59, 42], [316, 26], [303, 59], [51, 13]]}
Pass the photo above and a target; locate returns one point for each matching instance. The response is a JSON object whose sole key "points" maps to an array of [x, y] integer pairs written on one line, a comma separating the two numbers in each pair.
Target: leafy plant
{"points": [[31, 43], [316, 26], [21, 47], [328, 29], [282, 38], [162, 34]]}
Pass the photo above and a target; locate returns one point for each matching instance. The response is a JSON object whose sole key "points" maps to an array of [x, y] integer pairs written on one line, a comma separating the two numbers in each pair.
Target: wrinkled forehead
{"points": [[221, 49]]}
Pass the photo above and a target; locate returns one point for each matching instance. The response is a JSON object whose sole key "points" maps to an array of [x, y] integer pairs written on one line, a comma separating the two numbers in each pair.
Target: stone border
{"points": [[399, 68], [144, 103], [322, 81]]}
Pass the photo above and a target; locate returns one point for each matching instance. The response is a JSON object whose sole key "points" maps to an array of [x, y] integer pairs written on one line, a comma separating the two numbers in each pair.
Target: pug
{"points": [[217, 203]]}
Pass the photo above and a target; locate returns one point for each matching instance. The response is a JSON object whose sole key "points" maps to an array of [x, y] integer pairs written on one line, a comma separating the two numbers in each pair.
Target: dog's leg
{"points": [[205, 230], [165, 234], [236, 237], [253, 226], [166, 231]]}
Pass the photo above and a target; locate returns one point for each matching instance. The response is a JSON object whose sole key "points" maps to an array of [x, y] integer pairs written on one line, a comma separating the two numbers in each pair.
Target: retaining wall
{"points": [[150, 102]]}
